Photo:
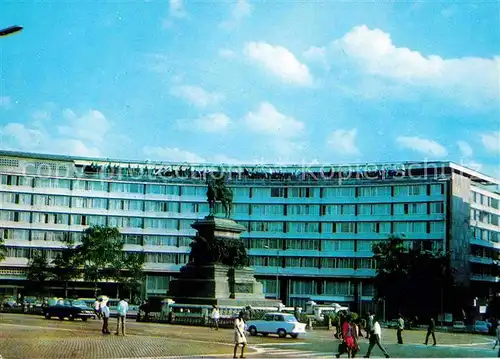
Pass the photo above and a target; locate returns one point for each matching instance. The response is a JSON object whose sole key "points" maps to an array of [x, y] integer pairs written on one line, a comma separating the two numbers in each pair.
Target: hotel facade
{"points": [[310, 229]]}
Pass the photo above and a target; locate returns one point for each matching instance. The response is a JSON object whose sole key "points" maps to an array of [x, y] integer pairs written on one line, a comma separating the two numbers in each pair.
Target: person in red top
{"points": [[350, 339]]}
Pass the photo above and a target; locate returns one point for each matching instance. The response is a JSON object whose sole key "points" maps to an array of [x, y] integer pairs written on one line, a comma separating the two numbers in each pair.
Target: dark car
{"points": [[70, 309]]}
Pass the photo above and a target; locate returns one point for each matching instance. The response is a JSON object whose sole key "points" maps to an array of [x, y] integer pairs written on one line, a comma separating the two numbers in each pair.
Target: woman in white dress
{"points": [[239, 335]]}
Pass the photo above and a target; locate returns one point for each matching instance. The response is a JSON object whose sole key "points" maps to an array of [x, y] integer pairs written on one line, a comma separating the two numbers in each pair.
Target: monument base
{"points": [[220, 285], [204, 282]]}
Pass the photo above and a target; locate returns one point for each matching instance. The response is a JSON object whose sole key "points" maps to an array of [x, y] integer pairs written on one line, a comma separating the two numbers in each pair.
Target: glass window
{"points": [[241, 192], [194, 191], [162, 206], [339, 245], [156, 189], [436, 207], [52, 183], [127, 187], [11, 180], [12, 216]]}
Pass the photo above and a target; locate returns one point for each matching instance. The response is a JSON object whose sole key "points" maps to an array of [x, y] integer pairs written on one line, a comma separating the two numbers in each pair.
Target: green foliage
{"points": [[129, 270], [3, 250], [38, 272], [66, 264], [411, 280], [99, 253]]}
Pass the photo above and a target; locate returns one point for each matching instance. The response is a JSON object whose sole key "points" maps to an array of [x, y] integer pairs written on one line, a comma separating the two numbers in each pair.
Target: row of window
{"points": [[253, 226], [325, 245], [485, 200], [245, 192], [329, 287], [189, 207], [485, 234], [477, 215]]}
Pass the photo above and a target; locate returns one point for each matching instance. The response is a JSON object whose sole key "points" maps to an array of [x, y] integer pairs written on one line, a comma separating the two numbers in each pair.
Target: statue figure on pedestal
{"points": [[219, 191]]}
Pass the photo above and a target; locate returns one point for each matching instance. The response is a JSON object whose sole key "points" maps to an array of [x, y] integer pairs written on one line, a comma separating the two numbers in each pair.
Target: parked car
{"points": [[276, 323], [71, 309], [480, 326], [459, 326]]}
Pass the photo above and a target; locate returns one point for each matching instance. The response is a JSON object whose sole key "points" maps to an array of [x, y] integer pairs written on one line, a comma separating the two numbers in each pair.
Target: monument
{"points": [[217, 273]]}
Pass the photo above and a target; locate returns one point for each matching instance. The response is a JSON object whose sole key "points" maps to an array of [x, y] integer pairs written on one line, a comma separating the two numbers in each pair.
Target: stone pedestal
{"points": [[219, 284]]}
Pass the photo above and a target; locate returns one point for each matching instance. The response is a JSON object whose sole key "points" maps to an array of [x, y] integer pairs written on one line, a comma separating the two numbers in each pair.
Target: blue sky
{"points": [[253, 81]]}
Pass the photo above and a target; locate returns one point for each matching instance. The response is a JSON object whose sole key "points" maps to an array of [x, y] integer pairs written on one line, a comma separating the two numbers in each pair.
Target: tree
{"points": [[411, 280], [3, 249], [38, 272], [66, 265], [129, 272], [99, 252]]}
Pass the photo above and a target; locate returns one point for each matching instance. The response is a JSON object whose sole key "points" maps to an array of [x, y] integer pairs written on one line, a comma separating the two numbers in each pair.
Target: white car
{"points": [[481, 326], [276, 323]]}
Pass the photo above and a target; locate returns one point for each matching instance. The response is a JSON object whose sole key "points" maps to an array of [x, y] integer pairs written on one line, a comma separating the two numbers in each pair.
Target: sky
{"points": [[245, 81]]}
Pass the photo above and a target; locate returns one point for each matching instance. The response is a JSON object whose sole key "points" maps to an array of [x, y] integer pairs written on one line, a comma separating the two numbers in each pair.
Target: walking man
{"points": [[430, 331], [400, 328], [105, 316], [369, 327], [122, 316], [215, 317], [375, 338]]}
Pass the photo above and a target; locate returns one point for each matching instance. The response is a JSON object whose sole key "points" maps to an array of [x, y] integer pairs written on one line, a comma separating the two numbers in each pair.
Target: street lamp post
{"points": [[10, 30]]}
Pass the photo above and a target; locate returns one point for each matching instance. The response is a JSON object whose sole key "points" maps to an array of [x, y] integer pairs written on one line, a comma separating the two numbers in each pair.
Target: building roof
{"points": [[474, 175]]}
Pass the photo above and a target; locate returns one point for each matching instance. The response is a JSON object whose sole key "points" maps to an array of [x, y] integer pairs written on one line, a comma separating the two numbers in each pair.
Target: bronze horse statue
{"points": [[218, 191]]}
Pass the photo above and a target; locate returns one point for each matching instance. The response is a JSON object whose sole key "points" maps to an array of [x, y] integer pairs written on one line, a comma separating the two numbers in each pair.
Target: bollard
{"points": [[309, 323], [330, 326]]}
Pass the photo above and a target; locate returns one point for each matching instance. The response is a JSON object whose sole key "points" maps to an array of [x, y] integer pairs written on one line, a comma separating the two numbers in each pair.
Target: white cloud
{"points": [[269, 121], [226, 53], [171, 154], [214, 122], [5, 102], [84, 135], [16, 136], [177, 9], [465, 148], [318, 55], [240, 10], [196, 95], [422, 145], [91, 126], [344, 141], [280, 62], [26, 138], [491, 141], [471, 80]]}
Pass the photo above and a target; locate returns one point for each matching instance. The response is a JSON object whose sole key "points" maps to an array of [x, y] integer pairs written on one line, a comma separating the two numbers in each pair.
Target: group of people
{"points": [[350, 333], [350, 337], [102, 312]]}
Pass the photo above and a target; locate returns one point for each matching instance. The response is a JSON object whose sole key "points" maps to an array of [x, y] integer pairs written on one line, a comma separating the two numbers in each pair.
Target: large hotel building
{"points": [[309, 229]]}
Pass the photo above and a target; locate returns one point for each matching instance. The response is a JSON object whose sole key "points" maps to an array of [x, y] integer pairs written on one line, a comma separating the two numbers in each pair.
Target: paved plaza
{"points": [[25, 336]]}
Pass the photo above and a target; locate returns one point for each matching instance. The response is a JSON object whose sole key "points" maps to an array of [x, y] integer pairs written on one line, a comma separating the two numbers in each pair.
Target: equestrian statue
{"points": [[219, 191]]}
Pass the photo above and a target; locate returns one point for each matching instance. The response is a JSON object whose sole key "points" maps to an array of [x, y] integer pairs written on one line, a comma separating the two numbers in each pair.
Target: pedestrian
{"points": [[105, 316], [97, 308], [498, 338], [239, 335], [215, 317], [369, 327], [399, 329], [349, 343], [376, 338], [430, 331], [121, 317]]}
